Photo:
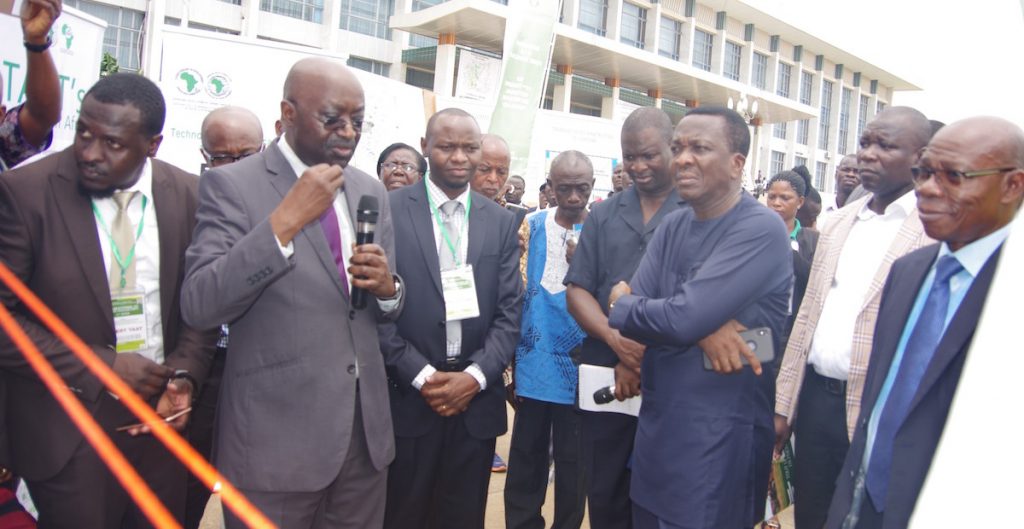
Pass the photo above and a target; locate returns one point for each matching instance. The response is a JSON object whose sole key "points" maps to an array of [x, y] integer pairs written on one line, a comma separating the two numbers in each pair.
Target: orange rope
{"points": [[181, 449]]}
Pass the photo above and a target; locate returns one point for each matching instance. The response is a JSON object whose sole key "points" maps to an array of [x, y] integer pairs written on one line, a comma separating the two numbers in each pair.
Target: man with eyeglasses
{"points": [[822, 375], [969, 183], [303, 427], [230, 134]]}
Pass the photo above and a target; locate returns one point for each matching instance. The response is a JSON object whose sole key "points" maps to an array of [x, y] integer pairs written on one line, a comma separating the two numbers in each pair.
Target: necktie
{"points": [[123, 238], [329, 223], [918, 353], [448, 261]]}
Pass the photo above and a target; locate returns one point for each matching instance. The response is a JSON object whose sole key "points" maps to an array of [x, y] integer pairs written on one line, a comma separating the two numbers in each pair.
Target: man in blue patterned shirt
{"points": [[546, 371]]}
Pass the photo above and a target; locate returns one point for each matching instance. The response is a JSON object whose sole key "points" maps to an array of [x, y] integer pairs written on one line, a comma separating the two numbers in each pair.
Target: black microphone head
{"points": [[368, 210]]}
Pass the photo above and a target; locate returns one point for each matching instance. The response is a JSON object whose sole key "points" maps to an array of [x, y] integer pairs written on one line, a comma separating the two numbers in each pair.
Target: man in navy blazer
{"points": [[969, 182], [447, 396]]}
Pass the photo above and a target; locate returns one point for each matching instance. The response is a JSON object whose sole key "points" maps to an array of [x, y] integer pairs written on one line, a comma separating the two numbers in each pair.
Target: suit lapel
{"points": [[959, 331], [423, 225], [76, 212], [477, 231], [902, 297], [282, 178], [169, 219]]}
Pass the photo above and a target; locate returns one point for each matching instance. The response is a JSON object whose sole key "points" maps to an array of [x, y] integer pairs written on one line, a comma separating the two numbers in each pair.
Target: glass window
{"points": [[702, 43], [309, 10], [862, 116], [123, 37], [779, 130], [419, 78], [819, 175], [759, 75], [800, 160], [844, 119], [634, 25], [803, 131], [593, 14], [731, 70], [785, 73], [369, 17], [806, 83], [423, 4], [377, 67], [778, 162], [670, 38], [825, 119], [879, 107]]}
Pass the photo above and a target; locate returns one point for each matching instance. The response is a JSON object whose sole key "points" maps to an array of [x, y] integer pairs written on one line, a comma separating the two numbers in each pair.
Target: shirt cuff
{"points": [[390, 304], [286, 250], [421, 378], [477, 373], [617, 315]]}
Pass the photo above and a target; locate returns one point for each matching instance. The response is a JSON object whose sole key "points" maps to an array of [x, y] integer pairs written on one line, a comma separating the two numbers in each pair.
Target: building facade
{"points": [[807, 100]]}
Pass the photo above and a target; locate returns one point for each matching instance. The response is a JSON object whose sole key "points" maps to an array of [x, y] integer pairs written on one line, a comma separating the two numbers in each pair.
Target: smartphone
{"points": [[759, 341], [170, 418]]}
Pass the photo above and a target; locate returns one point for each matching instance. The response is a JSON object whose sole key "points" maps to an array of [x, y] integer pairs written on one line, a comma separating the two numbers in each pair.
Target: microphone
{"points": [[604, 395], [366, 224]]}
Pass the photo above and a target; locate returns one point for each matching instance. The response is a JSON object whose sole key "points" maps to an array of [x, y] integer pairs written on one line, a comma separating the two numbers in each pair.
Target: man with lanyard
{"points": [[446, 355]]}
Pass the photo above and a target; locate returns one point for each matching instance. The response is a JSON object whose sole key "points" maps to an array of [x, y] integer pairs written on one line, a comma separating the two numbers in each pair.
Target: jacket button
{"points": [[351, 369]]}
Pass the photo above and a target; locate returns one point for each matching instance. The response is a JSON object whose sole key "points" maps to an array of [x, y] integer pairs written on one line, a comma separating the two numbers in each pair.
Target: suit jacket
{"points": [[49, 240], [823, 272], [918, 437], [418, 336], [288, 395]]}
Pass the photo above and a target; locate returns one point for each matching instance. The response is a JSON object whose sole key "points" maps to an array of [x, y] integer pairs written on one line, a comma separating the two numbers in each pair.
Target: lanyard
{"points": [[796, 230], [122, 262], [454, 247]]}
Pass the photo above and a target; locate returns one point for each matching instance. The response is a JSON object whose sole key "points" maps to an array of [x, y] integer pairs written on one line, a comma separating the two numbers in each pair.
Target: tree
{"points": [[108, 65]]}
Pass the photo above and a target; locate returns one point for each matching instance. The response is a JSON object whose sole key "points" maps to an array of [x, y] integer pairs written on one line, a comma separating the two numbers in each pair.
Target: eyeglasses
{"points": [[217, 160], [334, 122], [407, 167], [949, 177]]}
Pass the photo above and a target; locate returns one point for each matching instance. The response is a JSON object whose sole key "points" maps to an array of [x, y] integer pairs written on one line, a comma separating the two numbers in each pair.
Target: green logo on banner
{"points": [[189, 81], [218, 85], [69, 35]]}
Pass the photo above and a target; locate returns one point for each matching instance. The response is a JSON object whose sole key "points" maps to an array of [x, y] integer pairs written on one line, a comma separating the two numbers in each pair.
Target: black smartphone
{"points": [[759, 341]]}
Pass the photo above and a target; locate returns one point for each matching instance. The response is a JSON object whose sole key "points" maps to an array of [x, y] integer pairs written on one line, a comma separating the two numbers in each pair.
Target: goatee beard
{"points": [[91, 193]]}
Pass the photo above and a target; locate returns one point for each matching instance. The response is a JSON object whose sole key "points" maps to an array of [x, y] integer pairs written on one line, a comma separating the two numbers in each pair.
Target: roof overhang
{"points": [[481, 24]]}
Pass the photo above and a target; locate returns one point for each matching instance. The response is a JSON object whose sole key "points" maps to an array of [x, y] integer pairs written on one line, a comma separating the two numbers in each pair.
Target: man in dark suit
{"points": [[61, 222], [446, 358], [970, 183], [302, 427]]}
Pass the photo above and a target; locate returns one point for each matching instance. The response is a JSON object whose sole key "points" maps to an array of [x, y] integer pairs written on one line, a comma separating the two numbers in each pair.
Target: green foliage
{"points": [[108, 65]]}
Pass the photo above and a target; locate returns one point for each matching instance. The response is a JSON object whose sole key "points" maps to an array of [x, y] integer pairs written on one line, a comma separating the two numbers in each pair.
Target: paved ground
{"points": [[495, 500]]}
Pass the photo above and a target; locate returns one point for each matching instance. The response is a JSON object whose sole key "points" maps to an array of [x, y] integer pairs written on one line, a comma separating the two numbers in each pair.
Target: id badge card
{"points": [[459, 293], [130, 324]]}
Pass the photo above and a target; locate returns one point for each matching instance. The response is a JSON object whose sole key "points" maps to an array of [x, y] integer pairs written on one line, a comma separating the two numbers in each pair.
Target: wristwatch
{"points": [[183, 374], [398, 288]]}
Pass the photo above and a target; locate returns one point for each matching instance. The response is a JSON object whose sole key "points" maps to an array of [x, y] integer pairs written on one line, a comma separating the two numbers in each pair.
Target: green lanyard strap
{"points": [[122, 262], [453, 247]]}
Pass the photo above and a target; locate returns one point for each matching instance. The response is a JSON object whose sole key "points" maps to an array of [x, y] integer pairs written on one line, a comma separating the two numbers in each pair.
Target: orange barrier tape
{"points": [[137, 489]]}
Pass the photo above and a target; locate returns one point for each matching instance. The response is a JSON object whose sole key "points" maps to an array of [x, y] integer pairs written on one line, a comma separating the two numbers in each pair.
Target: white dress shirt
{"points": [[862, 254], [147, 255], [438, 197]]}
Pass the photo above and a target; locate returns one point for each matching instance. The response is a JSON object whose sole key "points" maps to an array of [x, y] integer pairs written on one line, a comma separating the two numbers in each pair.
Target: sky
{"points": [[968, 57]]}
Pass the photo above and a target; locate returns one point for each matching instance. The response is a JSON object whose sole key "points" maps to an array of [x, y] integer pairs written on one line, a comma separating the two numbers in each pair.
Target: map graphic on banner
{"points": [[77, 51]]}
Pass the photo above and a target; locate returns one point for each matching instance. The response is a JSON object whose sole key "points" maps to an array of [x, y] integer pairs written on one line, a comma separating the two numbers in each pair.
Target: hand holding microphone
{"points": [[369, 266]]}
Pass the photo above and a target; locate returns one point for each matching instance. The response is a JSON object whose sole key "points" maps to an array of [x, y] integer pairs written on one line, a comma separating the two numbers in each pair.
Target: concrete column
{"points": [[718, 52], [686, 42], [444, 65], [250, 18], [653, 34], [152, 44], [570, 12], [562, 94], [613, 22], [656, 94], [609, 103], [330, 30], [747, 65]]}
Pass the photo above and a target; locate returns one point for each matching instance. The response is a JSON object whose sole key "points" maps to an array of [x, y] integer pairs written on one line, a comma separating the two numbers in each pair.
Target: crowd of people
{"points": [[340, 381]]}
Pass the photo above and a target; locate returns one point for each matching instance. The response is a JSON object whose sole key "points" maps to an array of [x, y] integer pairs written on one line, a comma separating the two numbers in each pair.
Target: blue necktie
{"points": [[918, 353]]}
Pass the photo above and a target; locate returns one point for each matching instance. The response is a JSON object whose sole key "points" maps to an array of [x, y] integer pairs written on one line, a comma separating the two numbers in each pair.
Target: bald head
{"points": [[572, 179], [888, 149], [648, 118], [323, 111], [958, 209], [492, 171], [230, 133]]}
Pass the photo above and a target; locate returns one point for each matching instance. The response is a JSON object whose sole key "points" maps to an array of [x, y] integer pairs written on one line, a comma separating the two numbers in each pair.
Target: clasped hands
{"points": [[147, 378], [305, 202], [449, 393]]}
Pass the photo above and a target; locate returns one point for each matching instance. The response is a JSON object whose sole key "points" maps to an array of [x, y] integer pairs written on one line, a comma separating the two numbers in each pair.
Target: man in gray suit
{"points": [[303, 428]]}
